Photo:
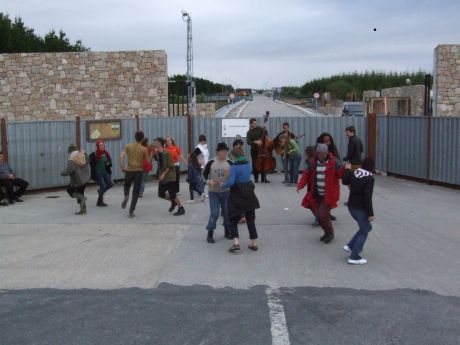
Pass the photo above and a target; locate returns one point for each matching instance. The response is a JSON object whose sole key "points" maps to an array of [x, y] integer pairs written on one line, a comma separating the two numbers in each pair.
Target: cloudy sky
{"points": [[258, 43]]}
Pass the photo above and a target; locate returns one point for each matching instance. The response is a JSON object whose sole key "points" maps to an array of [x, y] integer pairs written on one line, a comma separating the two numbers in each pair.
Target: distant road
{"points": [[261, 104]]}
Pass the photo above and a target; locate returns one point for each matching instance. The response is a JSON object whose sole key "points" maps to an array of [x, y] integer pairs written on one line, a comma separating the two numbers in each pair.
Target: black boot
{"points": [[180, 211], [210, 237], [173, 206], [100, 202]]}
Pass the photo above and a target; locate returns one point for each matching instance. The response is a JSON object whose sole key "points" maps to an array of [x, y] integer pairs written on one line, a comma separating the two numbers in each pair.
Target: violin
{"points": [[265, 162], [280, 149]]}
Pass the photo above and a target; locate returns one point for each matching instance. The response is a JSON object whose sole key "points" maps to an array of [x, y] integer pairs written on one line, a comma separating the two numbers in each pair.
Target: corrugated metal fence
{"points": [[38, 150]]}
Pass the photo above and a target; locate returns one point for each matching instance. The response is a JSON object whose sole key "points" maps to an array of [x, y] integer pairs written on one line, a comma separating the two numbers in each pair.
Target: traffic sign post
{"points": [[316, 96]]}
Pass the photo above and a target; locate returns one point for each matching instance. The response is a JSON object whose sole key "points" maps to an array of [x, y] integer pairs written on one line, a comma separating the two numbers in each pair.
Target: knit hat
{"points": [[322, 148], [72, 147], [222, 146]]}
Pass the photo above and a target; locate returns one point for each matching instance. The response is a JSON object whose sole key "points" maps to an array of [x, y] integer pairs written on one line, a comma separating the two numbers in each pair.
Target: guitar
{"points": [[280, 150]]}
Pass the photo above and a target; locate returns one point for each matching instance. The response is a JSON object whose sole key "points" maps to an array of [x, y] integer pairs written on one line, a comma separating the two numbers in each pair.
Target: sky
{"points": [[258, 44]]}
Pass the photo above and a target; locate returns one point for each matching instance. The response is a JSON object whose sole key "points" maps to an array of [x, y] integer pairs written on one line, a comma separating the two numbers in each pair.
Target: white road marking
{"points": [[280, 334], [306, 111], [242, 108]]}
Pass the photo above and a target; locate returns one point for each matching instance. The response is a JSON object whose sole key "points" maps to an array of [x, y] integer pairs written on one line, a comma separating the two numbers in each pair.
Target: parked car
{"points": [[352, 109]]}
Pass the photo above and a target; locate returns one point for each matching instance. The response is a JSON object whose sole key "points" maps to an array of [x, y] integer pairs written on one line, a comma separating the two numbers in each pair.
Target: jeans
{"points": [[105, 183], [285, 160], [356, 243], [130, 177], [218, 201], [250, 222], [144, 176], [294, 162]]}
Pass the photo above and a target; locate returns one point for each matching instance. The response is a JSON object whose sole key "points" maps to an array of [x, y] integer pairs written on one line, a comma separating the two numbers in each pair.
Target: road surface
{"points": [[261, 104], [108, 279]]}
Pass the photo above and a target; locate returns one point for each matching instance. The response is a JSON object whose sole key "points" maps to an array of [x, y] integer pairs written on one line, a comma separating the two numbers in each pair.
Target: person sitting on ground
{"points": [[9, 180], [78, 171]]}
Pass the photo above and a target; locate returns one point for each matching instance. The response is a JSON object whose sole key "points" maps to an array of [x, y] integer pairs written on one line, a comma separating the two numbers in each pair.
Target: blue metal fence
{"points": [[38, 150]]}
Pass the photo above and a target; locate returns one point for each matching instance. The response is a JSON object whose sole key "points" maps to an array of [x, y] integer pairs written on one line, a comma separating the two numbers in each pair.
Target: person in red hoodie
{"points": [[322, 174]]}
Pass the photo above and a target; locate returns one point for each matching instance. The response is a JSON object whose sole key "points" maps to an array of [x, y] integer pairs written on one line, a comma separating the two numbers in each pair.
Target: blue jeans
{"points": [[143, 183], [105, 183], [218, 201], [356, 243], [285, 161], [294, 162]]}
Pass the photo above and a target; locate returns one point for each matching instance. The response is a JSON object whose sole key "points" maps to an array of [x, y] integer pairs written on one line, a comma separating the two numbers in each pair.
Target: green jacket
{"points": [[293, 147], [165, 162], [254, 134]]}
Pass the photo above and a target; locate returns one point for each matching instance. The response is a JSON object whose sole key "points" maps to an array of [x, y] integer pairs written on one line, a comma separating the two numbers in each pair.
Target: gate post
{"points": [[78, 133], [372, 134], [4, 138], [189, 133], [138, 123], [428, 148]]}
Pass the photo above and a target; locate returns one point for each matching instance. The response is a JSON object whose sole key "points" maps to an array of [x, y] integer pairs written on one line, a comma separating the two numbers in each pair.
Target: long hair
{"points": [[172, 140], [331, 147], [194, 160]]}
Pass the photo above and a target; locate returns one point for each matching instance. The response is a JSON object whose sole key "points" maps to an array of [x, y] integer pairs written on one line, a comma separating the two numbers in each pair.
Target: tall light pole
{"points": [[191, 100]]}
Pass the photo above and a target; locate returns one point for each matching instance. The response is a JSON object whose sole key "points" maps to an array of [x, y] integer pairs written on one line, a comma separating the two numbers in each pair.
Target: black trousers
{"points": [[250, 222], [177, 182], [130, 177], [254, 154], [9, 185], [79, 189]]}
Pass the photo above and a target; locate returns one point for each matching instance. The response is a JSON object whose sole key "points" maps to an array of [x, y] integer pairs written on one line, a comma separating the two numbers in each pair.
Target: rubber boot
{"points": [[82, 201]]}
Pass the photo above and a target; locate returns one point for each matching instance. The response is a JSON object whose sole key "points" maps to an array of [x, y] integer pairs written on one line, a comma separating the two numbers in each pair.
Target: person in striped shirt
{"points": [[322, 175]]}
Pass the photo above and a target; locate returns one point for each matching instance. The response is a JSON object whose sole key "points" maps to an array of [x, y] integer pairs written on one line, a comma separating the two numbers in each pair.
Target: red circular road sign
{"points": [[232, 96], [316, 95]]}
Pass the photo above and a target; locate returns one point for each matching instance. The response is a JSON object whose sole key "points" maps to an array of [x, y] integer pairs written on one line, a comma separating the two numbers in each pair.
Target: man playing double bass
{"points": [[254, 138]]}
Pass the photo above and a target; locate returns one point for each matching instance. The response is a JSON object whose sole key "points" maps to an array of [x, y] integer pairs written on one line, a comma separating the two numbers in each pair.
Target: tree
{"points": [[15, 37]]}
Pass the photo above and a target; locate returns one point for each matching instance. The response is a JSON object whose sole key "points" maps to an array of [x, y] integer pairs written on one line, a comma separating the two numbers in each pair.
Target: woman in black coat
{"points": [[361, 182]]}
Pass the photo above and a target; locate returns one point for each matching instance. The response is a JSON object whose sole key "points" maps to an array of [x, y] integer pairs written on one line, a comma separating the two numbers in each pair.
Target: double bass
{"points": [[265, 162]]}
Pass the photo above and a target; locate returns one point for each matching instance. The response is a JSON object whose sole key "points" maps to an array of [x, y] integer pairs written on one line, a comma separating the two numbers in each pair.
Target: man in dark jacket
{"points": [[9, 180], [355, 148], [254, 139]]}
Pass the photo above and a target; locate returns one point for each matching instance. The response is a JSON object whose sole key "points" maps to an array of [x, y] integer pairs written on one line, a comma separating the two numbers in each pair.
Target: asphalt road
{"points": [[105, 278], [261, 104]]}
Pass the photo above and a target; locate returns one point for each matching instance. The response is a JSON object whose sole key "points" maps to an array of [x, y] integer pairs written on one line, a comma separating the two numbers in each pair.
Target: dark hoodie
{"points": [[361, 184]]}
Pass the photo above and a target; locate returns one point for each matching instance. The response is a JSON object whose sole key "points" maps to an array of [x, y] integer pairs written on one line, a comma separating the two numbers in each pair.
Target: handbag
{"points": [[147, 166]]}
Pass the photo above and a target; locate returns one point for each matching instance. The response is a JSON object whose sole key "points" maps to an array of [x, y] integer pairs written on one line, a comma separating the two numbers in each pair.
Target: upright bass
{"points": [[265, 162]]}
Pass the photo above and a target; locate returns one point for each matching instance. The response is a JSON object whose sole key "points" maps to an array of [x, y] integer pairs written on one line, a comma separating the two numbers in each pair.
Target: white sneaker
{"points": [[203, 197], [347, 249], [190, 202], [357, 262]]}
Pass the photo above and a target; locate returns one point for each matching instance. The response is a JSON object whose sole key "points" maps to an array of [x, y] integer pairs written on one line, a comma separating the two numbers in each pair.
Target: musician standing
{"points": [[284, 156], [254, 138]]}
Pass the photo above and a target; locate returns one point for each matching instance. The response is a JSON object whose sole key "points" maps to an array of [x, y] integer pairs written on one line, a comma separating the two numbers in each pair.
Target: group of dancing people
{"points": [[227, 176]]}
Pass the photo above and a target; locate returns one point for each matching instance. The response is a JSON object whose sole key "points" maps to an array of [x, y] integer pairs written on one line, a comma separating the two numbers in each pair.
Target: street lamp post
{"points": [[191, 100]]}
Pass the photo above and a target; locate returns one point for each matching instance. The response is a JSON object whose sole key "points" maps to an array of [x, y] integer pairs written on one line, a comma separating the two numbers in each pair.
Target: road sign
{"points": [[232, 96], [316, 95]]}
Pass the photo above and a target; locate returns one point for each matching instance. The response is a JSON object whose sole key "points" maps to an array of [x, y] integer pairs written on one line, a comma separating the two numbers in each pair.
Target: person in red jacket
{"points": [[322, 175]]}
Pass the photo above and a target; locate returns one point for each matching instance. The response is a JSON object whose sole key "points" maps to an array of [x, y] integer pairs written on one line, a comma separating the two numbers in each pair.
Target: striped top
{"points": [[321, 177]]}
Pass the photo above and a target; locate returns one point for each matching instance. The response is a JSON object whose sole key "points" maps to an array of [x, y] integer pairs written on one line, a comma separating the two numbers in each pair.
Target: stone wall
{"points": [[416, 93], [446, 83], [93, 85]]}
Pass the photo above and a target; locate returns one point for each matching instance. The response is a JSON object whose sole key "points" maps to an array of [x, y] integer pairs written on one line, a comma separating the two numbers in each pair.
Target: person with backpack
{"points": [[195, 177]]}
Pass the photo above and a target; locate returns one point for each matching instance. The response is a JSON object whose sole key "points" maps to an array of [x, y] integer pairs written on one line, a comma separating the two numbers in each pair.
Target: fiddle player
{"points": [[284, 156], [254, 138]]}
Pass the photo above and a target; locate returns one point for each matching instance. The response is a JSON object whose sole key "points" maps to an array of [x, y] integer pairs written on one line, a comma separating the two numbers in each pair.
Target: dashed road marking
{"points": [[280, 334]]}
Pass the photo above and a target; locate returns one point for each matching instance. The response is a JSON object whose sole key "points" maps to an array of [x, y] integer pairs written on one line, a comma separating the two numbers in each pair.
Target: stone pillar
{"points": [[446, 82]]}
